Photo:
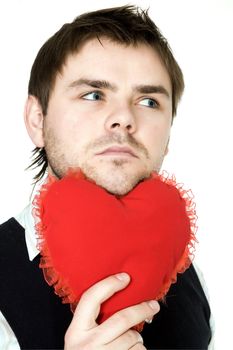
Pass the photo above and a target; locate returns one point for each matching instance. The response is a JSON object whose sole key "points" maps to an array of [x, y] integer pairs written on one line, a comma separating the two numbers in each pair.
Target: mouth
{"points": [[118, 152]]}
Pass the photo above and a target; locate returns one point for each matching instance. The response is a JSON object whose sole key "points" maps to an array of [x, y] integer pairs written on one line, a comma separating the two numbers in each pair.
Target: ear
{"points": [[34, 120]]}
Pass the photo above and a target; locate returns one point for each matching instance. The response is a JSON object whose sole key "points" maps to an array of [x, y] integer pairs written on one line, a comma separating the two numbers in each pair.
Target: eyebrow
{"points": [[98, 84], [104, 84], [152, 89]]}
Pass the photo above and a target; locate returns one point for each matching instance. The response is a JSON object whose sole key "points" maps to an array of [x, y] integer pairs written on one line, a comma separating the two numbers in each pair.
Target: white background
{"points": [[200, 34]]}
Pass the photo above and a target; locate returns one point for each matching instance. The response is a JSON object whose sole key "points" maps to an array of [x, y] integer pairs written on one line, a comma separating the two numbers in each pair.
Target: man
{"points": [[103, 93]]}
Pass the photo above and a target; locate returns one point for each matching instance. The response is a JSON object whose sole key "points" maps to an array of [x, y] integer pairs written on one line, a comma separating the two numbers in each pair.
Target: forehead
{"points": [[109, 60]]}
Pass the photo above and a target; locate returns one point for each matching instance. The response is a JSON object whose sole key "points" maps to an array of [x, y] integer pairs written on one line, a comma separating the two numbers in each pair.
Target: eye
{"points": [[149, 102], [93, 96]]}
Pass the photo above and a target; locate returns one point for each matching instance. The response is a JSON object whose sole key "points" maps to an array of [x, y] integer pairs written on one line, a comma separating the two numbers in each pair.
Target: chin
{"points": [[117, 177], [118, 182], [117, 189]]}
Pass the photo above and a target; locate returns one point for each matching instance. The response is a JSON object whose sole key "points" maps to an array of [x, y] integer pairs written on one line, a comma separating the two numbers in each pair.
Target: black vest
{"points": [[39, 319]]}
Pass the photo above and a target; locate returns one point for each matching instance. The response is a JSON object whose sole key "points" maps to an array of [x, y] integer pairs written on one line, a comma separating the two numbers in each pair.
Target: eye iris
{"points": [[151, 103], [96, 96]]}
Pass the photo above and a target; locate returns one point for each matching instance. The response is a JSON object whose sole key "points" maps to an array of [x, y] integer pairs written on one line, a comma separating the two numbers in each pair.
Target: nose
{"points": [[121, 119]]}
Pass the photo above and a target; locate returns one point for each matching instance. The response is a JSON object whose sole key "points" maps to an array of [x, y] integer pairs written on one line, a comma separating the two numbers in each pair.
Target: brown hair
{"points": [[126, 25]]}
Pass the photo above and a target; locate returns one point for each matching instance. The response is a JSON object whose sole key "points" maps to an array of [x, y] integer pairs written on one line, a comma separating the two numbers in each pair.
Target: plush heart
{"points": [[86, 234]]}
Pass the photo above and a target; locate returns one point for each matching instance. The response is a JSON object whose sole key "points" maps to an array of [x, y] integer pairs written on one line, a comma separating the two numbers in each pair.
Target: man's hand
{"points": [[115, 333]]}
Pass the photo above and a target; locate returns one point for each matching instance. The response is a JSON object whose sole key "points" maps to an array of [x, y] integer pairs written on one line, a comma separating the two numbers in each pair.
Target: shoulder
{"points": [[11, 236], [10, 225]]}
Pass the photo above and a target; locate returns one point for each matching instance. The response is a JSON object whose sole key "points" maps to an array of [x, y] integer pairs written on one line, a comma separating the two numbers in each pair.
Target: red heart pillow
{"points": [[86, 234]]}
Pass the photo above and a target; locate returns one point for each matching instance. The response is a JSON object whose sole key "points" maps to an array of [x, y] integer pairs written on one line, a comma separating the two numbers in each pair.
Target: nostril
{"points": [[115, 124]]}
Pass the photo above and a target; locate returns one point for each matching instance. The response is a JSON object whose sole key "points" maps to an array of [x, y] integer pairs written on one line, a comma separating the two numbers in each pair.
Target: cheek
{"points": [[72, 128], [156, 138]]}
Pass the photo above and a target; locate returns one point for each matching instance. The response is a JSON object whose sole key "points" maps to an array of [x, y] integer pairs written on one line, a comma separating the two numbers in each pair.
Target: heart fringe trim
{"points": [[60, 284]]}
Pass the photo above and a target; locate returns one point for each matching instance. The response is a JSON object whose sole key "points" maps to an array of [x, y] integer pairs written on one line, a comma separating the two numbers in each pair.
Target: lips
{"points": [[116, 150]]}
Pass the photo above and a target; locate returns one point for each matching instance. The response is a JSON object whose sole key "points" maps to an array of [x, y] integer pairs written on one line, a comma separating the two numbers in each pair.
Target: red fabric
{"points": [[86, 234]]}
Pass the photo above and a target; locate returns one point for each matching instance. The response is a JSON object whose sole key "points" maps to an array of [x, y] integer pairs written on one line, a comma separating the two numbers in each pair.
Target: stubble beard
{"points": [[118, 177], [115, 180]]}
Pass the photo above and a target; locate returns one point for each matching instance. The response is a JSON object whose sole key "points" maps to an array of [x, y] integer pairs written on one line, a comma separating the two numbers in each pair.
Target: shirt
{"points": [[8, 340]]}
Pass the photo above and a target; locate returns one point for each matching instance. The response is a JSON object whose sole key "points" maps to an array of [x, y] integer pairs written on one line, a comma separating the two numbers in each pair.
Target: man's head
{"points": [[102, 95]]}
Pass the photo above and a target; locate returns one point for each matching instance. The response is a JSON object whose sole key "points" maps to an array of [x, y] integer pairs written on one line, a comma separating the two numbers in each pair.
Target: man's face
{"points": [[110, 114]]}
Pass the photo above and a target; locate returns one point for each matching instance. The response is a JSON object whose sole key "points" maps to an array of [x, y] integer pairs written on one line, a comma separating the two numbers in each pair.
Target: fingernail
{"points": [[153, 304], [140, 339], [122, 276], [149, 320]]}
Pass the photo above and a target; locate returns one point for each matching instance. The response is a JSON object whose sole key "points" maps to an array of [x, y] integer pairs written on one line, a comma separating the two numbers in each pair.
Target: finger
{"points": [[125, 319], [126, 341], [88, 307]]}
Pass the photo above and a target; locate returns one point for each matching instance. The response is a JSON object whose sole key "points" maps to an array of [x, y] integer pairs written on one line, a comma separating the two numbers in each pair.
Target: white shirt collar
{"points": [[25, 218]]}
